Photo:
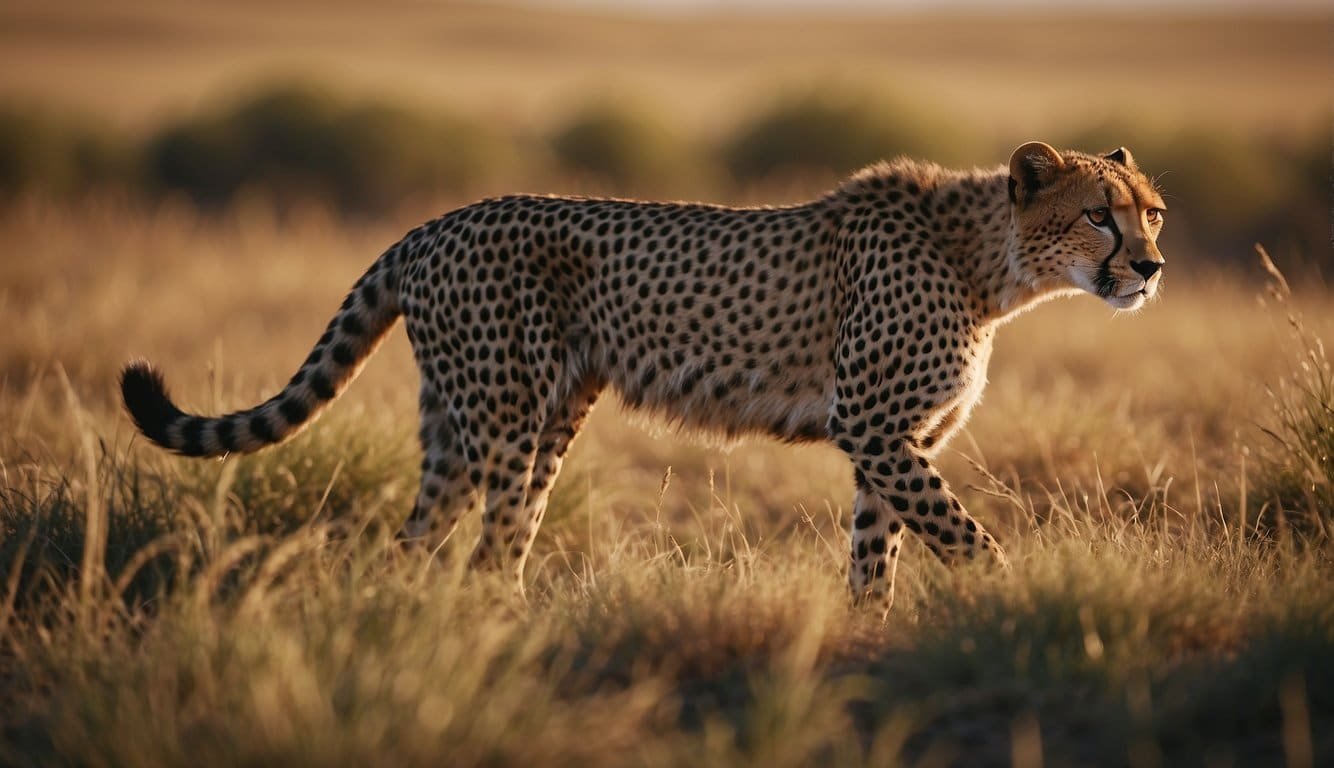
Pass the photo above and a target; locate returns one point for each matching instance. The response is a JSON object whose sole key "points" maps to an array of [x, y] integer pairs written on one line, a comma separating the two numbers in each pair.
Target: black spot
{"points": [[351, 325], [192, 436], [260, 428], [293, 410], [320, 385], [864, 520], [342, 354], [226, 434]]}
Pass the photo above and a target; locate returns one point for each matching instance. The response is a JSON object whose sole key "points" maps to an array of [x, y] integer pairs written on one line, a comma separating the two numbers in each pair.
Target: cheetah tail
{"points": [[355, 331]]}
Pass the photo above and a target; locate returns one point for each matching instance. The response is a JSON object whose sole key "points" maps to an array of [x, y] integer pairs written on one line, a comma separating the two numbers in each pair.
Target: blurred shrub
{"points": [[54, 154], [623, 146], [1225, 190], [297, 141], [838, 131]]}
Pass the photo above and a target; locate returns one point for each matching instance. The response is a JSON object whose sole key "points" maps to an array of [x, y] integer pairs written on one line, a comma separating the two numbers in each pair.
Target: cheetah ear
{"points": [[1032, 166], [1121, 155]]}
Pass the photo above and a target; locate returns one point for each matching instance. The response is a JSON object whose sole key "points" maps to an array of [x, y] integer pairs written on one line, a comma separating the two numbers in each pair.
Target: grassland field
{"points": [[1163, 480], [686, 603]]}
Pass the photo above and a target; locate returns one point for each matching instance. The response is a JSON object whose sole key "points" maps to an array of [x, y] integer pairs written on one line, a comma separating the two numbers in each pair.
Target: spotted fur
{"points": [[864, 318]]}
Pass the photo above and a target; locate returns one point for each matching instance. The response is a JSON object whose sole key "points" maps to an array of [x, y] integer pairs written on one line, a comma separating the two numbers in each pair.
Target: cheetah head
{"points": [[1085, 222]]}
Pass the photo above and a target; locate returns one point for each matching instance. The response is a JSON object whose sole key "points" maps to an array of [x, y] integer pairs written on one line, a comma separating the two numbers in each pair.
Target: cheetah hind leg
{"points": [[557, 435], [508, 477], [448, 484]]}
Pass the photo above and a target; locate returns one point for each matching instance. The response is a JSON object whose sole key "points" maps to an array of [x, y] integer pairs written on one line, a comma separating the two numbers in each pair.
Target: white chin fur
{"points": [[1081, 280], [1133, 301]]}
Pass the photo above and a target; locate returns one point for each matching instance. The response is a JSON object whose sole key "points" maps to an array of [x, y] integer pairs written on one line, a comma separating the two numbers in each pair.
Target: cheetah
{"points": [[864, 318]]}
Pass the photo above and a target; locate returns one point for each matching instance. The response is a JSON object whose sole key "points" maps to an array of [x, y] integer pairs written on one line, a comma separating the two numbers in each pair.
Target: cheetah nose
{"points": [[1146, 269]]}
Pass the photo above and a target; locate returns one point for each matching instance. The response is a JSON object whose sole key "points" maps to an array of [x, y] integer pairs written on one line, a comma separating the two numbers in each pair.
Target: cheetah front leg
{"points": [[877, 534], [900, 489], [919, 496]]}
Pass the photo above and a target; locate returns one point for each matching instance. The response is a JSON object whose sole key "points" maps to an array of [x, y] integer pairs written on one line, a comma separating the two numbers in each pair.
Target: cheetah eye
{"points": [[1154, 215], [1099, 217]]}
